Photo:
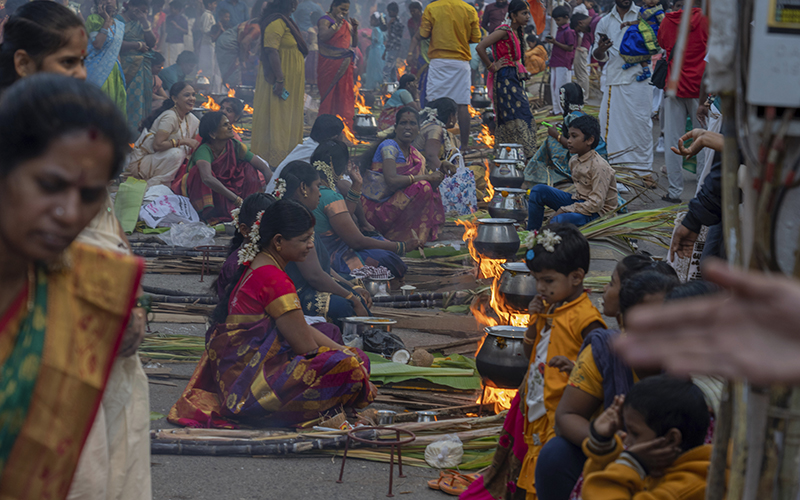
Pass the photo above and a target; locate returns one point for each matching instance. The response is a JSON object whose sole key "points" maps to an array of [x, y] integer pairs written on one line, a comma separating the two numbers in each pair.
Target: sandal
{"points": [[449, 478]]}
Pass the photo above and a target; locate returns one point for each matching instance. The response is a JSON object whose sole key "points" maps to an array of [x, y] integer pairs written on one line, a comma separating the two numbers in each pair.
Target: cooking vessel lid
{"points": [[510, 145], [365, 320], [509, 332], [496, 221], [510, 190], [516, 267], [507, 160]]}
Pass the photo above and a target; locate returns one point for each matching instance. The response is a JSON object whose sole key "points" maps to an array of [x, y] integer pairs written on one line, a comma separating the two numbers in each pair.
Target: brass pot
{"points": [[509, 203], [517, 287], [496, 238]]}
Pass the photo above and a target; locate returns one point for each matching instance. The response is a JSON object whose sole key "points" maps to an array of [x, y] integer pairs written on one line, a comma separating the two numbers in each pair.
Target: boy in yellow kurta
{"points": [[562, 316], [666, 421]]}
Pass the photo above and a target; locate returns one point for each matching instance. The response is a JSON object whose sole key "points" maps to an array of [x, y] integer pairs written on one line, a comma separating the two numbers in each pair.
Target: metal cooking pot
{"points": [[355, 326], [511, 152], [365, 124], [517, 287], [378, 287], [391, 87], [501, 360], [507, 173], [509, 203], [246, 93], [496, 238], [480, 98]]}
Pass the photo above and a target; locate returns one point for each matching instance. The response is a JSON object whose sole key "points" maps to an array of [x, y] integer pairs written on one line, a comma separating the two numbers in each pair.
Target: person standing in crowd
{"points": [[376, 52], [414, 22], [625, 119], [185, 68], [451, 25], [207, 59], [280, 85], [175, 27], [562, 55], [581, 24], [393, 42], [236, 8], [338, 36], [515, 122], [684, 105], [312, 59], [493, 15], [102, 61], [135, 57]]}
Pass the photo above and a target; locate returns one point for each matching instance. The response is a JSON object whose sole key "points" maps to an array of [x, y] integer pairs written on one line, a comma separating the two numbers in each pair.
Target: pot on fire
{"points": [[507, 173], [501, 360], [517, 287], [365, 125], [390, 87], [480, 98], [509, 151], [496, 238], [509, 203]]}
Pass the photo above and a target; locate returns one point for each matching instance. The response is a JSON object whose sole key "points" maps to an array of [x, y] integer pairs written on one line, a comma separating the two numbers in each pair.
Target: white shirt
{"points": [[611, 24], [303, 151]]}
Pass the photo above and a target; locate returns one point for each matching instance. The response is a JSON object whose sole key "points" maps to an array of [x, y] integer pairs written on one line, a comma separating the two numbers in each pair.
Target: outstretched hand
{"points": [[610, 421], [700, 139]]}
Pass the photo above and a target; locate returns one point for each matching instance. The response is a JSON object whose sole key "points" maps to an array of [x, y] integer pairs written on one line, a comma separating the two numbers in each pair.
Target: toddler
{"points": [[666, 421], [639, 43]]}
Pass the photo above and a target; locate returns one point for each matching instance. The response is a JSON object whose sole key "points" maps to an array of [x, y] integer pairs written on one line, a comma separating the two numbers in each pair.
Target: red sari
{"points": [[335, 75]]}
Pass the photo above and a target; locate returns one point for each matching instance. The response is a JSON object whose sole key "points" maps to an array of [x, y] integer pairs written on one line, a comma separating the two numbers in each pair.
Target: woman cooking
{"points": [[400, 198], [407, 94], [221, 172], [263, 363], [280, 84], [348, 247], [166, 139], [337, 37]]}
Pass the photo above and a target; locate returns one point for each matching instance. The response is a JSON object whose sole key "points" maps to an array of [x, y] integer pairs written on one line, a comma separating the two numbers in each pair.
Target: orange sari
{"points": [[335, 75], [87, 309]]}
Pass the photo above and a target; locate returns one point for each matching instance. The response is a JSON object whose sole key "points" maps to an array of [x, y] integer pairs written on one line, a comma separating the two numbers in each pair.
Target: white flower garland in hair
{"points": [[235, 216], [280, 188], [249, 250], [547, 238]]}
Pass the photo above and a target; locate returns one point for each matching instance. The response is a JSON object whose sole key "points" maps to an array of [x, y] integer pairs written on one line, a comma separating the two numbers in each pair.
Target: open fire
{"points": [[361, 106], [210, 103], [485, 136], [489, 187], [348, 134]]}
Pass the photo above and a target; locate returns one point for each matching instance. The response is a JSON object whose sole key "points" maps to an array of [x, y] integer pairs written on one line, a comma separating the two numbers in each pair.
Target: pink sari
{"points": [[418, 207]]}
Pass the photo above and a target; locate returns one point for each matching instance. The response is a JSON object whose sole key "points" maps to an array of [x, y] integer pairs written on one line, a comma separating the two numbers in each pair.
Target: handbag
{"points": [[659, 77]]}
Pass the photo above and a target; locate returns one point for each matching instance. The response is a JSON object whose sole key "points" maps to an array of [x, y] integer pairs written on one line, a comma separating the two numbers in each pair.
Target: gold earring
{"points": [[305, 194]]}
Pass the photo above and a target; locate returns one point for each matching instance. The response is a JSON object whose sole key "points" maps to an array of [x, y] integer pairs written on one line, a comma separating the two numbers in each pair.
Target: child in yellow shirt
{"points": [[666, 420]]}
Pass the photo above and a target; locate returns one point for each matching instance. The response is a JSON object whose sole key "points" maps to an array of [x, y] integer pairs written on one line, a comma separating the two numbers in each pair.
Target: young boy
{"points": [[581, 24], [175, 27], [562, 54], [562, 315], [595, 186], [666, 422]]}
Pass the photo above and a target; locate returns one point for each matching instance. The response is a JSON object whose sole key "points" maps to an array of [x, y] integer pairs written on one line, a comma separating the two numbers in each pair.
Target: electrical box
{"points": [[774, 78]]}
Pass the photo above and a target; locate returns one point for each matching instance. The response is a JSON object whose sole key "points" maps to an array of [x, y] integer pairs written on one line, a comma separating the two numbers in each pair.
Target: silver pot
{"points": [[365, 124], [480, 98], [511, 152], [496, 238], [501, 360], [391, 87], [507, 173], [354, 326], [509, 203], [386, 417], [378, 287], [517, 287], [427, 416]]}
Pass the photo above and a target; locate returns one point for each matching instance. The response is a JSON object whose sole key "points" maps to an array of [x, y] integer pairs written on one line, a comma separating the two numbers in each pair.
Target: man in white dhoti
{"points": [[625, 120]]}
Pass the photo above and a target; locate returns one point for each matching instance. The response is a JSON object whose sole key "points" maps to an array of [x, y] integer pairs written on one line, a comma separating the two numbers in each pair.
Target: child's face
{"points": [[577, 143], [561, 21], [611, 295], [393, 12], [416, 13], [637, 429], [556, 287]]}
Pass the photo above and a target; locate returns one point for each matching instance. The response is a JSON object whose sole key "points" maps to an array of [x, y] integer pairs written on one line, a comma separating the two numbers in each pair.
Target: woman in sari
{"points": [[264, 365], [507, 75], [280, 86], [102, 62], [348, 247], [135, 56], [221, 172], [550, 164], [337, 37], [401, 199], [166, 138], [407, 94], [62, 305]]}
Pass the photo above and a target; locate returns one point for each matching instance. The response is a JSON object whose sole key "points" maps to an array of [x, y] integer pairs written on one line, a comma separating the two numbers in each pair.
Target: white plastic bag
{"points": [[445, 453], [166, 211], [191, 235]]}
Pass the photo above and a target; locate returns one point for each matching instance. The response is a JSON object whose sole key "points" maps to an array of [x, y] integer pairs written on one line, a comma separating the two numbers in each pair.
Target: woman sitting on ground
{"points": [[321, 294], [348, 247], [406, 95], [401, 199], [263, 364], [221, 172], [550, 164], [166, 139]]}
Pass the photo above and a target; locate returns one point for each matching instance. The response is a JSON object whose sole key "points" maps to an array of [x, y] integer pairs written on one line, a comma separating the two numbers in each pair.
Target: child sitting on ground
{"points": [[562, 316], [595, 186], [639, 43], [666, 420]]}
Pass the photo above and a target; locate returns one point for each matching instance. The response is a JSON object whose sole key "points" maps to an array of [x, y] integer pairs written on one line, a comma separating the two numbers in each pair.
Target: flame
{"points": [[489, 187], [473, 113], [348, 134], [248, 109], [238, 130], [401, 70], [500, 397], [231, 92], [486, 137], [210, 104], [363, 109]]}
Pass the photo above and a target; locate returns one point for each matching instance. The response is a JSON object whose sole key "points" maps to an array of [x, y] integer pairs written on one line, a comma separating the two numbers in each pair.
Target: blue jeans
{"points": [[542, 196], [558, 468]]}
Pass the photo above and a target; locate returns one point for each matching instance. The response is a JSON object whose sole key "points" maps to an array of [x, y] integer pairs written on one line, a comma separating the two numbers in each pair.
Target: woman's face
{"points": [[224, 130], [407, 128], [229, 112], [611, 295], [341, 11], [185, 99], [46, 202], [296, 249], [521, 17], [309, 195], [67, 61]]}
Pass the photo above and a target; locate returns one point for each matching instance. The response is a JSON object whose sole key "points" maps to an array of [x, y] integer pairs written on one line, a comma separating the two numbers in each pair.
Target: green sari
{"points": [[138, 75]]}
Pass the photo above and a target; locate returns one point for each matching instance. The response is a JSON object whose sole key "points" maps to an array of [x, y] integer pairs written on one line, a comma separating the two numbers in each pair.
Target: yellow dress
{"points": [[278, 124]]}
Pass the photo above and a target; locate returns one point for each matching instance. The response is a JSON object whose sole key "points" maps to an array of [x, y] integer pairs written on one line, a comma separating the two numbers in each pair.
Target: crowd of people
{"points": [[596, 416]]}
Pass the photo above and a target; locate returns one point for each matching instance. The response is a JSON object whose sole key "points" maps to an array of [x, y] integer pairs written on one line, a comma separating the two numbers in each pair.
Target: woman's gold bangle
{"points": [[349, 296], [411, 179]]}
